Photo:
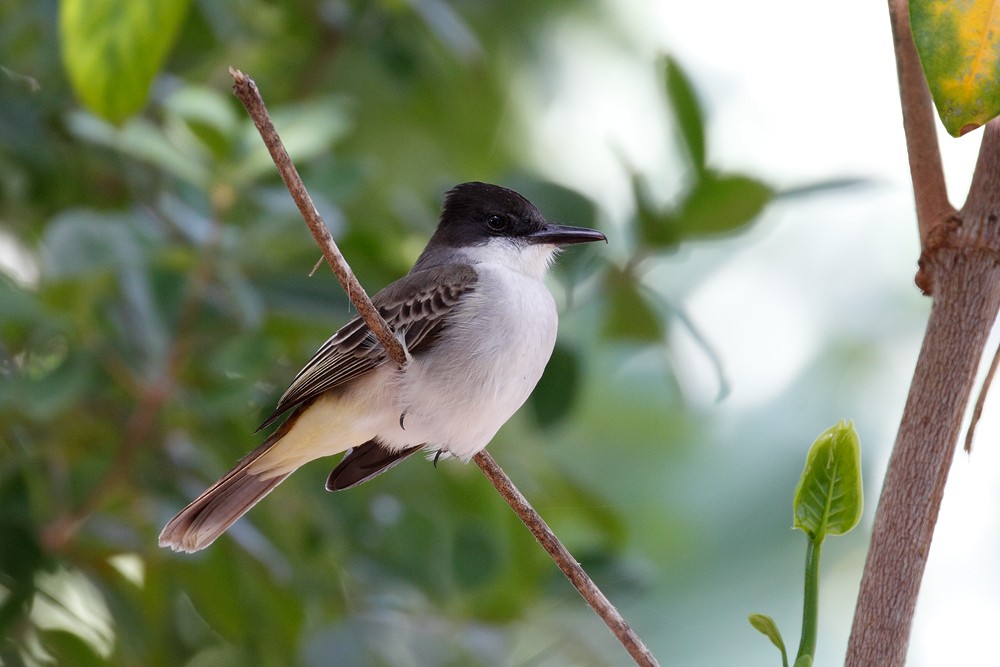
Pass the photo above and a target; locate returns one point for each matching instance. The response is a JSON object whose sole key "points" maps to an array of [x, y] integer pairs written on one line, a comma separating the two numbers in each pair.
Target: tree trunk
{"points": [[961, 264]]}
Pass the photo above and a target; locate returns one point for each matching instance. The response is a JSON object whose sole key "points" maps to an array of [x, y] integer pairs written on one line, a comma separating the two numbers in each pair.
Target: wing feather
{"points": [[416, 308]]}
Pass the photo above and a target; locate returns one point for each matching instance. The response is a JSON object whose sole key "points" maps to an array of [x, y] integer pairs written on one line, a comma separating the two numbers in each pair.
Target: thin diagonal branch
{"points": [[246, 91], [977, 411], [984, 201], [564, 559]]}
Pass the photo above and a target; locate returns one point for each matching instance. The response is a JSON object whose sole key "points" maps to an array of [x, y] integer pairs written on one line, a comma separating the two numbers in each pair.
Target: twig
{"points": [[977, 411], [246, 91], [564, 559]]}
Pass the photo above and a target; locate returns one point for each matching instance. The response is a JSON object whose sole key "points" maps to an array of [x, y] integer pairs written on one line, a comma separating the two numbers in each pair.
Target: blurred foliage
{"points": [[162, 304]]}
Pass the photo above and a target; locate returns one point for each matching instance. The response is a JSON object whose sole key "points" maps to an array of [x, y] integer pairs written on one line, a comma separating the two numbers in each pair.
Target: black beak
{"points": [[565, 235]]}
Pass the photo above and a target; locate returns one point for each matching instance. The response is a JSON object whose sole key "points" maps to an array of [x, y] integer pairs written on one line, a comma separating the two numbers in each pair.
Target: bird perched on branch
{"points": [[479, 324]]}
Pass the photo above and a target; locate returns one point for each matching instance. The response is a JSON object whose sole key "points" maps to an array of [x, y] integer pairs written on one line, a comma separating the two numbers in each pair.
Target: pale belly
{"points": [[484, 369]]}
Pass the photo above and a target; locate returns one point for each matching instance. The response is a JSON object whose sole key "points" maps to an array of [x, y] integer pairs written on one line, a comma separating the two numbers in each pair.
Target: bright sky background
{"points": [[795, 92]]}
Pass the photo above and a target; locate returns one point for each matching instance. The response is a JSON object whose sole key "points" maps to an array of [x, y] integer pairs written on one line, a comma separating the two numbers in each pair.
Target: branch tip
{"points": [[247, 92]]}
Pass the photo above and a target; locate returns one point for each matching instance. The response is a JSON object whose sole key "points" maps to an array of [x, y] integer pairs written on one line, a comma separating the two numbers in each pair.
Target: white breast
{"points": [[483, 368]]}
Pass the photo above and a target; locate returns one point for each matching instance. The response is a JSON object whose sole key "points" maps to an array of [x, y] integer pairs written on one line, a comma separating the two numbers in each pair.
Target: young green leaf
{"points": [[687, 111], [959, 47], [112, 49], [766, 626], [828, 498], [804, 661], [68, 648]]}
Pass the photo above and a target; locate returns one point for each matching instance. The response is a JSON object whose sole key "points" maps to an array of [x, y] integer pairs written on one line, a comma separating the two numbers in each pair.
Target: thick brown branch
{"points": [[246, 91], [966, 301], [564, 559], [965, 305], [984, 191]]}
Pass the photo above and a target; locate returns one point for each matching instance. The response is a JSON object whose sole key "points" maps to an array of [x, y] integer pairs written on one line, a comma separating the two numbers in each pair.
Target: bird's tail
{"points": [[214, 511]]}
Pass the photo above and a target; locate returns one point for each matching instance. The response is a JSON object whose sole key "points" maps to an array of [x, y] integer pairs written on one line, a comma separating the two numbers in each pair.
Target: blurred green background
{"points": [[155, 301]]}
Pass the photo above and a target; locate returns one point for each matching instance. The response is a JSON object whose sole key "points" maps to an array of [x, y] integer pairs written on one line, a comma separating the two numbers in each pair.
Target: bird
{"points": [[479, 324]]}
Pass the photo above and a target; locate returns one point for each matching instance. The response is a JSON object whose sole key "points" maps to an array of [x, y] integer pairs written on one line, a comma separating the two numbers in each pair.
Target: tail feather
{"points": [[214, 511]]}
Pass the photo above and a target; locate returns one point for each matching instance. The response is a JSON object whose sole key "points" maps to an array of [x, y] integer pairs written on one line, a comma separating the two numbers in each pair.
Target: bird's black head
{"points": [[474, 213]]}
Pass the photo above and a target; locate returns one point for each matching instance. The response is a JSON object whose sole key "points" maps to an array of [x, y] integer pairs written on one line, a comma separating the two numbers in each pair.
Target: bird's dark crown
{"points": [[476, 212]]}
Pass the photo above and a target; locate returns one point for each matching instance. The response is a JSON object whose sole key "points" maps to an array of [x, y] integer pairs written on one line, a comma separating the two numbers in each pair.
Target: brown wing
{"points": [[415, 306]]}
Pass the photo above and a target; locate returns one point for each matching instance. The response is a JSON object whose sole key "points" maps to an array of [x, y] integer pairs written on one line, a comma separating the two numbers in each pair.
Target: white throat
{"points": [[530, 259]]}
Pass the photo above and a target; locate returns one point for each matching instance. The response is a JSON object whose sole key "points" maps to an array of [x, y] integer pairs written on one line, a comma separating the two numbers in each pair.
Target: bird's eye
{"points": [[496, 223]]}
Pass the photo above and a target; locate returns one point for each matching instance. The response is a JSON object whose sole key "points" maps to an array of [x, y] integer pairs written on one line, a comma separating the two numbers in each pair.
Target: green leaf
{"points": [[629, 315], [112, 49], [766, 626], [143, 140], [656, 228], [832, 186], [81, 242], [804, 661], [20, 309], [959, 47], [828, 499], [51, 392], [720, 204], [66, 648], [209, 114], [687, 112], [263, 601], [553, 398], [307, 131]]}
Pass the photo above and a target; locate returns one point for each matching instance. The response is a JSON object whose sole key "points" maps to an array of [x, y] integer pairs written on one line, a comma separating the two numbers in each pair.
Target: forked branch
{"points": [[958, 264]]}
